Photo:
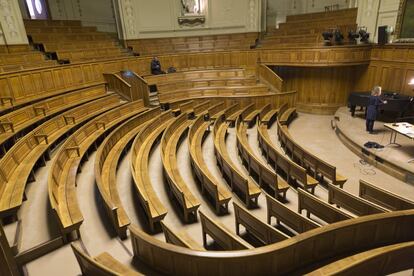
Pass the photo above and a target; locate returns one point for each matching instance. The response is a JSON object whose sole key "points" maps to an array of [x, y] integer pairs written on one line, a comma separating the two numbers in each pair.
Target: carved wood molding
{"points": [[400, 17]]}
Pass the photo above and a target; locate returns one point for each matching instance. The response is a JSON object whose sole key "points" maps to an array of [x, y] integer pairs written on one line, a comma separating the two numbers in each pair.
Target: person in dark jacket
{"points": [[156, 67], [372, 109]]}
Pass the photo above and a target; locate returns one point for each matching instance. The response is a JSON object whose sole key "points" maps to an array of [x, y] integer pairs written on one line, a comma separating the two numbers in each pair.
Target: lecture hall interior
{"points": [[206, 137]]}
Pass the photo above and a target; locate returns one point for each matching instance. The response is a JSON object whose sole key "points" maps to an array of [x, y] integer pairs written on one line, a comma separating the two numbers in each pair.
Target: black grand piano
{"points": [[397, 105]]}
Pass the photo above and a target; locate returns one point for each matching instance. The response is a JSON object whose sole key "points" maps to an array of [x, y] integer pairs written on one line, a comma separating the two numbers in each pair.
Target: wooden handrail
{"points": [[119, 85], [287, 256], [267, 75]]}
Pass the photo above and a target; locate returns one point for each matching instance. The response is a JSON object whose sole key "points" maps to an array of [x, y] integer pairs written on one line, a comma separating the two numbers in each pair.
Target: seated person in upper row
{"points": [[156, 67]]}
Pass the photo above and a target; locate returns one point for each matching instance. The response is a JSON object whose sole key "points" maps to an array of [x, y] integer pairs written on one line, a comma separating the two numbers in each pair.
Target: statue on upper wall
{"points": [[190, 7]]}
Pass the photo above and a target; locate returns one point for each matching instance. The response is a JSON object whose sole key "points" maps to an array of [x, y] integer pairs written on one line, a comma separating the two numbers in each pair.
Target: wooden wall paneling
{"points": [[320, 90]]}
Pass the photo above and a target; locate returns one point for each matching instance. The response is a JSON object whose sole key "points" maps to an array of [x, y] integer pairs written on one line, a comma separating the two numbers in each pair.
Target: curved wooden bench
{"points": [[196, 75], [320, 208], [306, 159], [208, 182], [231, 113], [192, 108], [178, 188], [244, 187], [102, 265], [180, 239], [263, 232], [215, 110], [354, 204], [66, 164], [268, 115], [249, 114], [141, 149], [292, 219], [17, 166], [267, 177], [20, 121], [383, 197], [170, 87], [383, 260], [221, 235], [286, 114], [240, 91], [320, 245], [106, 164], [283, 163], [13, 97]]}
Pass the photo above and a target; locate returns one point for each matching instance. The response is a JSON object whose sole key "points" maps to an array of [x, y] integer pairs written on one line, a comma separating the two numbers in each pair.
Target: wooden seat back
{"points": [[305, 158], [169, 144], [208, 181], [383, 260], [260, 230], [220, 234], [356, 205], [104, 180], [292, 219], [102, 265], [230, 172], [293, 256], [141, 149], [319, 208], [267, 177], [201, 107], [62, 175], [179, 239], [383, 197], [281, 161], [35, 144]]}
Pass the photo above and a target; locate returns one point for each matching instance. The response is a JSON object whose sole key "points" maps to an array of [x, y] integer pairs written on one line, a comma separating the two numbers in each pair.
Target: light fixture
{"points": [[352, 37], [411, 83], [364, 36]]}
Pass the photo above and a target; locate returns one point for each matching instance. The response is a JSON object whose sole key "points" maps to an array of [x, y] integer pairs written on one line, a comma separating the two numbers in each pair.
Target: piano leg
{"points": [[352, 109]]}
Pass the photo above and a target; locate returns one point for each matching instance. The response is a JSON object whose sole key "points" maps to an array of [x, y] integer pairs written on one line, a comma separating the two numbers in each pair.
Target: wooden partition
{"points": [[269, 77], [276, 99], [139, 86], [8, 264], [326, 243], [119, 85], [391, 66], [320, 90], [317, 56]]}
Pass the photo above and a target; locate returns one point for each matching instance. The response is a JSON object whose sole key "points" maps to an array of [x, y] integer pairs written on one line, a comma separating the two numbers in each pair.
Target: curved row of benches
{"points": [[266, 177], [141, 149], [208, 182], [337, 240], [281, 163], [178, 188], [306, 159], [244, 187], [17, 166], [106, 164], [18, 122], [66, 164]]}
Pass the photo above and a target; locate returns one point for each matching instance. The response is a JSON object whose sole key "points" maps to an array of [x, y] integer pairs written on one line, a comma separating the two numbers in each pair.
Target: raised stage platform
{"points": [[391, 159]]}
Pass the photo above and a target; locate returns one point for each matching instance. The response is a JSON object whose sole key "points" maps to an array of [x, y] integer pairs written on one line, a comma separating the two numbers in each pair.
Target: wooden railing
{"points": [[269, 77], [120, 86], [139, 86], [317, 56]]}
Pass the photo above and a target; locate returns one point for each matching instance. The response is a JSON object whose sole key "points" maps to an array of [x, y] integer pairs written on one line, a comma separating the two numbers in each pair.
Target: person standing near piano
{"points": [[372, 109]]}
